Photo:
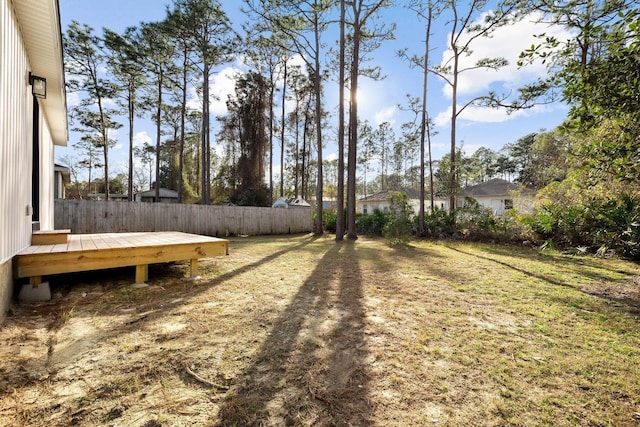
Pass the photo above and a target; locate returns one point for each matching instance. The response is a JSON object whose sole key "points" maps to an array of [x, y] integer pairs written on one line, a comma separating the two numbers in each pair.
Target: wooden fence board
{"points": [[89, 217]]}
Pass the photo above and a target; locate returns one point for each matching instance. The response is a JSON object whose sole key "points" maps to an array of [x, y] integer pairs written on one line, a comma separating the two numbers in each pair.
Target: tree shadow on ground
{"points": [[310, 369], [112, 288], [624, 292], [110, 279], [578, 263]]}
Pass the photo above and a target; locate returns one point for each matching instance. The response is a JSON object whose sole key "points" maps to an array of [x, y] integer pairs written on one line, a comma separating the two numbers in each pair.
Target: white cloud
{"points": [[113, 133], [140, 138], [298, 61], [469, 149], [221, 85], [193, 100], [386, 115], [486, 115], [507, 42], [109, 103], [73, 99], [443, 118]]}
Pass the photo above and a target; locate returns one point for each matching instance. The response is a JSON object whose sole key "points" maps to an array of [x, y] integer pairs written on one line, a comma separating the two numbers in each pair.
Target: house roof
{"points": [[64, 171], [383, 196], [41, 31], [494, 187]]}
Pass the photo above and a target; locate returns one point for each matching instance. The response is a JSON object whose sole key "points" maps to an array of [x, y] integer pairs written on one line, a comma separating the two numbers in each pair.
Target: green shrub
{"points": [[474, 214], [373, 224], [398, 229], [439, 224], [602, 225], [616, 225], [329, 218]]}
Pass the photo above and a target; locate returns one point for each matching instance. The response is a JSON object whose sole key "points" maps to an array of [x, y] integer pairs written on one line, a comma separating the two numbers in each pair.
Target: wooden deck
{"points": [[85, 252]]}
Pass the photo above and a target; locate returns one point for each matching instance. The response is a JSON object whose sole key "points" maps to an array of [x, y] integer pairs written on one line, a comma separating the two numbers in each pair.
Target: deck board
{"points": [[87, 242], [86, 252]]}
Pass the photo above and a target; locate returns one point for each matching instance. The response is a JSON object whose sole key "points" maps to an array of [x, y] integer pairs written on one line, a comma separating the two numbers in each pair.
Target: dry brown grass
{"points": [[302, 331]]}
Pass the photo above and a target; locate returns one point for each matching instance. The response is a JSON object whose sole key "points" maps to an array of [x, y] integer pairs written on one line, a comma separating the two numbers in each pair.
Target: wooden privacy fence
{"points": [[89, 216]]}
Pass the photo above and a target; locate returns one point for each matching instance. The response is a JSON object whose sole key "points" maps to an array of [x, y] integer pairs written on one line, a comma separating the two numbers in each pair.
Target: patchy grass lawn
{"points": [[304, 331]]}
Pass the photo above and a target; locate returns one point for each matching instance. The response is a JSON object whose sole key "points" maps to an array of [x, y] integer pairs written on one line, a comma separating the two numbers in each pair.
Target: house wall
{"points": [[521, 203], [415, 205], [16, 133], [371, 206], [495, 203], [15, 137], [46, 176], [58, 186]]}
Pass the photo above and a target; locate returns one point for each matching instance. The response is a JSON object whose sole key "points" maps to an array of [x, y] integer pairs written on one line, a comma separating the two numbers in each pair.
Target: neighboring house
{"points": [[500, 195], [61, 178], [329, 203], [30, 52], [166, 196], [368, 204]]}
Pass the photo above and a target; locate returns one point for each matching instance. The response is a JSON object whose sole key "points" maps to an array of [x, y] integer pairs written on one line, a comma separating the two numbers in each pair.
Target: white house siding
{"points": [[383, 206], [16, 110], [46, 177], [522, 203], [16, 134]]}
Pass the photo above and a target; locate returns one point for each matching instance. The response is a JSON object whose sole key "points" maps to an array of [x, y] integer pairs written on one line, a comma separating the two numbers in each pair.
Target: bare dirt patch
{"points": [[302, 331]]}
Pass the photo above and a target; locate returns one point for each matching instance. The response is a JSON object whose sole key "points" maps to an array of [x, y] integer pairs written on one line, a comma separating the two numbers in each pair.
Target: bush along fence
{"points": [[88, 216]]}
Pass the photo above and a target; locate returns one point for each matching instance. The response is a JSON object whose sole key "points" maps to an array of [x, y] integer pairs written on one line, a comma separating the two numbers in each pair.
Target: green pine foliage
{"points": [[398, 230]]}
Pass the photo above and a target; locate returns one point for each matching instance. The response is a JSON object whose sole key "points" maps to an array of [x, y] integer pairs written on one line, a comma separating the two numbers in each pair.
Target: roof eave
{"points": [[41, 31]]}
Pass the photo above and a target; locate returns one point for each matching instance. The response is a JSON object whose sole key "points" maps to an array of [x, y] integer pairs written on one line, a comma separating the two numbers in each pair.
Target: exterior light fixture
{"points": [[38, 86]]}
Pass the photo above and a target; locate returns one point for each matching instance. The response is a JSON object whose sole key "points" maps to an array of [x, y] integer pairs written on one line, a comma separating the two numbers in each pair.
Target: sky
{"points": [[379, 101]]}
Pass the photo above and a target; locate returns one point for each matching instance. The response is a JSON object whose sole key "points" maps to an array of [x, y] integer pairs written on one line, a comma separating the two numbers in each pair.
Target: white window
{"points": [[364, 209]]}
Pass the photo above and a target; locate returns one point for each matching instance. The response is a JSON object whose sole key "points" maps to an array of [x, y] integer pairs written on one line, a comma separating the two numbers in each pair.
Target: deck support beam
{"points": [[142, 273], [193, 271]]}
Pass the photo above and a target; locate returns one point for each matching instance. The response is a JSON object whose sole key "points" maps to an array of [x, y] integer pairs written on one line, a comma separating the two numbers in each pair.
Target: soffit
{"points": [[39, 22]]}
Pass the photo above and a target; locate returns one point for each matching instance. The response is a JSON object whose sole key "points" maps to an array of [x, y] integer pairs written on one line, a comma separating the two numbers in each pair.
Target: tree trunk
{"points": [[303, 171], [297, 152], [340, 199], [271, 99], [131, 108], [206, 155], [424, 129], [282, 130], [352, 233], [105, 148], [319, 226], [158, 123], [183, 115]]}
